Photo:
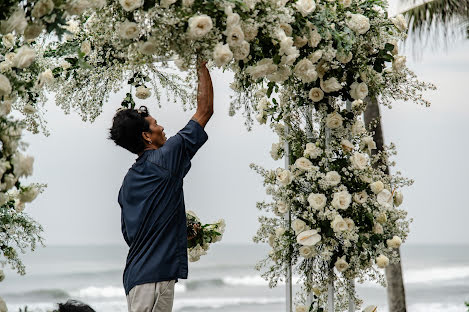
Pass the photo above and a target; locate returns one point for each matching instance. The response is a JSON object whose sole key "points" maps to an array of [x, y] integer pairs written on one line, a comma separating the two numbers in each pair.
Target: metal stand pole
{"points": [[351, 297], [330, 292], [288, 277]]}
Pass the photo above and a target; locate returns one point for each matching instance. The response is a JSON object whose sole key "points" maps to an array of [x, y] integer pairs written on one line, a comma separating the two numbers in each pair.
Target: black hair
{"points": [[127, 128], [74, 306]]}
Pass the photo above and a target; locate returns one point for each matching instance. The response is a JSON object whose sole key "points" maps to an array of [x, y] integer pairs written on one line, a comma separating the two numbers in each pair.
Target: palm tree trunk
{"points": [[395, 289]]}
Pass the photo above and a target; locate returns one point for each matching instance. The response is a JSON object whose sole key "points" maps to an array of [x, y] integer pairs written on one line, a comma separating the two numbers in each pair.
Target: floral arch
{"points": [[306, 67]]}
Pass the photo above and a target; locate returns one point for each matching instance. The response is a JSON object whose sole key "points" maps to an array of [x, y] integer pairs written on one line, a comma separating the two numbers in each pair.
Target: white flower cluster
{"points": [[206, 235]]}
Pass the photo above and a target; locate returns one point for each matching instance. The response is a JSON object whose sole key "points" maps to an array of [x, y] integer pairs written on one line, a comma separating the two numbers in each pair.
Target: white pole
{"points": [[288, 277], [330, 292]]}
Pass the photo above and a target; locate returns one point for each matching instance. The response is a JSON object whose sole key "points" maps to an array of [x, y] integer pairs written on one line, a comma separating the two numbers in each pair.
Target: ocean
{"points": [[436, 279]]}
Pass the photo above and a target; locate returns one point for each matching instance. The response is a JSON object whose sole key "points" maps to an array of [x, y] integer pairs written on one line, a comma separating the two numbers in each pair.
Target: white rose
{"points": [[199, 26], [45, 77], [298, 226], [306, 252], [306, 71], [8, 41], [301, 308], [271, 240], [305, 7], [338, 224], [346, 145], [222, 54], [129, 30], [332, 178], [350, 224], [399, 63], [341, 265], [284, 176], [282, 74], [28, 195], [341, 200], [345, 3], [274, 152], [148, 47], [316, 56], [262, 68], [314, 38], [330, 85], [187, 3], [316, 94], [242, 51], [5, 86], [361, 197], [235, 36], [317, 201], [42, 7], [24, 57], [250, 31], [368, 143], [167, 3], [261, 118], [382, 218], [378, 228], [400, 22], [77, 7], [130, 5], [371, 308], [300, 42], [377, 187], [85, 47], [308, 238], [23, 165], [382, 261], [303, 164], [16, 22], [384, 198], [282, 207], [312, 151], [359, 161], [33, 31], [334, 120], [358, 91], [142, 92], [279, 231], [344, 58], [395, 242], [358, 23], [98, 4], [358, 128], [398, 198]]}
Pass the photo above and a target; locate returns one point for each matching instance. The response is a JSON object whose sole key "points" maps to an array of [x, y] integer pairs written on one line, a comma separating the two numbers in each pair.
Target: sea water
{"points": [[436, 279]]}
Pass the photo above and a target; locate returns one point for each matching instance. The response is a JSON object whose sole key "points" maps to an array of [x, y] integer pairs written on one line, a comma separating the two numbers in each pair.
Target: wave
{"points": [[111, 291], [220, 302], [437, 274], [40, 294]]}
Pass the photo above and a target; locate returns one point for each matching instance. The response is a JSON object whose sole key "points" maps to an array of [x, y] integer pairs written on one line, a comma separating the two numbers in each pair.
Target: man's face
{"points": [[157, 135]]}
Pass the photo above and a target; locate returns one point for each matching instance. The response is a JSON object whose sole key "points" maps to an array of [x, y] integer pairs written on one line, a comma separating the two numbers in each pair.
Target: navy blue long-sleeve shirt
{"points": [[153, 212]]}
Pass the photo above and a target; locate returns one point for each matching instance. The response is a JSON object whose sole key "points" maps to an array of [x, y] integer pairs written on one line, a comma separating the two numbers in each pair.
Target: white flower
{"points": [[334, 120], [306, 252], [358, 91], [298, 226], [235, 36], [28, 109], [271, 240], [361, 197], [338, 224], [346, 145], [77, 7], [24, 57], [263, 68], [148, 47], [316, 94], [33, 31], [382, 261], [301, 308], [308, 238], [359, 161], [65, 65], [395, 242], [358, 23], [303, 164], [241, 52], [305, 7], [314, 38], [382, 218], [275, 150], [350, 224], [312, 151], [279, 231], [341, 200], [167, 3], [300, 42], [282, 207], [142, 92], [284, 176], [400, 22], [358, 128], [129, 30], [85, 47], [42, 7], [187, 3], [345, 3], [377, 187], [316, 56], [341, 265], [282, 74], [368, 143], [250, 31], [5, 86], [261, 118], [130, 5], [398, 198], [28, 195], [399, 63], [344, 58], [16, 22], [23, 165], [98, 4], [317, 201], [332, 178], [222, 54], [8, 41], [384, 198], [306, 71], [378, 228], [330, 85], [3, 305], [199, 26]]}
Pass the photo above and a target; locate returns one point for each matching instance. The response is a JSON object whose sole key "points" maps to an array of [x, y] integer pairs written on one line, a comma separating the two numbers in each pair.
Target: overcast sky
{"points": [[84, 170]]}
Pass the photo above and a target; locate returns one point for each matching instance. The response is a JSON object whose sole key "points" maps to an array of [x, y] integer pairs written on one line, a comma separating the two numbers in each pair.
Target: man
{"points": [[152, 200]]}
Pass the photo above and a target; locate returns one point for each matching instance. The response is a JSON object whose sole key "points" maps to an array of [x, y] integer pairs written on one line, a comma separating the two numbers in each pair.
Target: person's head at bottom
{"points": [[136, 131], [74, 306]]}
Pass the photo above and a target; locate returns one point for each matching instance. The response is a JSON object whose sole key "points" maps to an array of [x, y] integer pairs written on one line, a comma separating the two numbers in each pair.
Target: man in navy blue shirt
{"points": [[152, 199]]}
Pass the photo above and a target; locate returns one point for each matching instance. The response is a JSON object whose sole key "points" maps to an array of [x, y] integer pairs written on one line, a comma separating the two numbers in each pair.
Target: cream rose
{"points": [[33, 31], [341, 200], [298, 226], [359, 161], [399, 63], [317, 201], [312, 151], [358, 23], [368, 143], [305, 7], [199, 26], [262, 68], [235, 36], [306, 71], [301, 308], [346, 145], [279, 231], [42, 7], [85, 47], [29, 194], [147, 47], [45, 77], [398, 198], [377, 187], [316, 94], [360, 197], [395, 242], [306, 252], [378, 228], [222, 54], [242, 51], [400, 22], [5, 86], [382, 218], [316, 56], [250, 31], [16, 22], [384, 198], [130, 5], [338, 224], [284, 176], [167, 3], [330, 85], [345, 3], [303, 164], [8, 41], [332, 178], [358, 128], [350, 224], [358, 91], [334, 120], [142, 92], [28, 109], [341, 265], [382, 261], [24, 57], [129, 30], [282, 207], [308, 238]]}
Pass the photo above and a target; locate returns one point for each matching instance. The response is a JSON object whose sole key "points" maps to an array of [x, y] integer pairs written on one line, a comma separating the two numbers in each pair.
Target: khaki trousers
{"points": [[151, 297]]}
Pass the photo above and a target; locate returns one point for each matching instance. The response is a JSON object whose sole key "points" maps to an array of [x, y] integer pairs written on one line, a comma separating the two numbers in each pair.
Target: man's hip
{"points": [[152, 297]]}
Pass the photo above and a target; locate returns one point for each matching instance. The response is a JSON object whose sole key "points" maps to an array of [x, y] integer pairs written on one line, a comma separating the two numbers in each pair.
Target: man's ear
{"points": [[146, 136]]}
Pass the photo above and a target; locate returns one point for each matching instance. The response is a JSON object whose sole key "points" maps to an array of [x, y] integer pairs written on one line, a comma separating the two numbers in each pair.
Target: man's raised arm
{"points": [[204, 96]]}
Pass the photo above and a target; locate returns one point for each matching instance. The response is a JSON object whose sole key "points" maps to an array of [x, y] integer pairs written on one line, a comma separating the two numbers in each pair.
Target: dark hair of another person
{"points": [[127, 128], [74, 306]]}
